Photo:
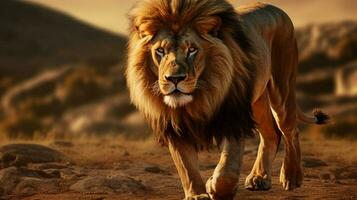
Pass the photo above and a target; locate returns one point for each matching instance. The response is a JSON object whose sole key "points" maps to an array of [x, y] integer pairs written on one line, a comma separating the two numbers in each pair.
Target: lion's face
{"points": [[182, 58], [179, 62]]}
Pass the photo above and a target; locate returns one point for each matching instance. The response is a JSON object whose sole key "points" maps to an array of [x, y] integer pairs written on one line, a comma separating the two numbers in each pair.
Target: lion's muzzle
{"points": [[176, 90]]}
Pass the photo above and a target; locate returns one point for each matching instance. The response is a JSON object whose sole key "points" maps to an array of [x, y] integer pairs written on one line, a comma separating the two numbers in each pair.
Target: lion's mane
{"points": [[223, 108]]}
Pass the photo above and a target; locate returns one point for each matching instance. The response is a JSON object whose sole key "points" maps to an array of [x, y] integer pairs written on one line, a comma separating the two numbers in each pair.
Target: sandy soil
{"points": [[330, 170]]}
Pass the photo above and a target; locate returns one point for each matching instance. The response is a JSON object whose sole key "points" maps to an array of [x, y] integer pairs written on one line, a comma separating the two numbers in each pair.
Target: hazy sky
{"points": [[111, 14]]}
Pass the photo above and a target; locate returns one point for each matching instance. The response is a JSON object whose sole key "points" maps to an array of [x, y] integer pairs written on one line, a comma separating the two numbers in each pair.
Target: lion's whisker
{"points": [[155, 88]]}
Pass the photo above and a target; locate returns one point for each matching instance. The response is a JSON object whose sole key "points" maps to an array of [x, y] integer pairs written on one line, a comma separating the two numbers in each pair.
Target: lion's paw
{"points": [[199, 197], [291, 179], [257, 182], [221, 187]]}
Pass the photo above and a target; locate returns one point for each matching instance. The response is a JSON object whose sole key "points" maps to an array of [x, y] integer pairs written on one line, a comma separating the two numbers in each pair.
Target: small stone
{"points": [[327, 176], [153, 169]]}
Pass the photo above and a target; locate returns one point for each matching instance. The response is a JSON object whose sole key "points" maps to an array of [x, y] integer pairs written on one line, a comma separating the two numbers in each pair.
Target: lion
{"points": [[203, 73]]}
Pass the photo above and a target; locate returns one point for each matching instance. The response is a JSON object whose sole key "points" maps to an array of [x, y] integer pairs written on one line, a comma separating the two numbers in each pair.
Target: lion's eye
{"points": [[192, 51], [160, 52]]}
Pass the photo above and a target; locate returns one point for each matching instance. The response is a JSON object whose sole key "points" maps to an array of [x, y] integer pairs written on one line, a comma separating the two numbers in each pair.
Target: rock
{"points": [[25, 182], [23, 154], [43, 166], [72, 174], [29, 186], [9, 178], [310, 162], [110, 185]]}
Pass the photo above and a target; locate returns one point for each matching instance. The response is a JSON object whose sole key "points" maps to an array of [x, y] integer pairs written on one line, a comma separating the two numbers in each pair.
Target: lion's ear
{"points": [[146, 28], [209, 25]]}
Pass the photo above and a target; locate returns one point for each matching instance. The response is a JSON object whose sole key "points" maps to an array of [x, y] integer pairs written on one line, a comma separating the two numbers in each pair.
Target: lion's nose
{"points": [[175, 79]]}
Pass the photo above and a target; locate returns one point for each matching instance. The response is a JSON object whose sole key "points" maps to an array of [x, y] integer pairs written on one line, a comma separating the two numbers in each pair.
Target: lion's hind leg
{"points": [[260, 176], [285, 113]]}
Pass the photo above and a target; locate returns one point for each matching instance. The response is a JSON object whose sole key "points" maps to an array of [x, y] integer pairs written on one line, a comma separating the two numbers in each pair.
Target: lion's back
{"points": [[273, 37], [266, 19]]}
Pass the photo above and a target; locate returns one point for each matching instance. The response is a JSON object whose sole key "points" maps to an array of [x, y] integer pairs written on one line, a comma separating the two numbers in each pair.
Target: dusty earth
{"points": [[98, 169]]}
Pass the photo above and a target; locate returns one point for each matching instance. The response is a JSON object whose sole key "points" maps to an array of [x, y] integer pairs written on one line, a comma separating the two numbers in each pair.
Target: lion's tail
{"points": [[318, 117]]}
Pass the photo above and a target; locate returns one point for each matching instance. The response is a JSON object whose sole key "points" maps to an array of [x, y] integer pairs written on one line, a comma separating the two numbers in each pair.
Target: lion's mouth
{"points": [[177, 98], [177, 92]]}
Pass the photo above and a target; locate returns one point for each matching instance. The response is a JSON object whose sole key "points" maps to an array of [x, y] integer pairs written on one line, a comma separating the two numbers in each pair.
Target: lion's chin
{"points": [[177, 100]]}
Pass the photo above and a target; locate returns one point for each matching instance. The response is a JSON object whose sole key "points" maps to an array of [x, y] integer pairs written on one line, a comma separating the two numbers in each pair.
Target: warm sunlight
{"points": [[199, 100]]}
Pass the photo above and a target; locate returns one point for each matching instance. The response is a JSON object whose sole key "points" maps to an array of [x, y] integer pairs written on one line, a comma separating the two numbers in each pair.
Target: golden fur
{"points": [[218, 91], [233, 67]]}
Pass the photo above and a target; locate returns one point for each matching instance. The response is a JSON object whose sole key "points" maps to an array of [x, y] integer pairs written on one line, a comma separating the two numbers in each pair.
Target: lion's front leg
{"points": [[185, 158], [223, 183]]}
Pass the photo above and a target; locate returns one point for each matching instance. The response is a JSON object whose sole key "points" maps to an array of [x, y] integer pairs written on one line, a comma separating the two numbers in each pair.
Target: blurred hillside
{"points": [[56, 71], [328, 74], [62, 77], [33, 38]]}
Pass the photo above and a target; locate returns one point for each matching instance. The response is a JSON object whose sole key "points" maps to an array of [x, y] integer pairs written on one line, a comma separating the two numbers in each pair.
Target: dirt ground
{"points": [[330, 170]]}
